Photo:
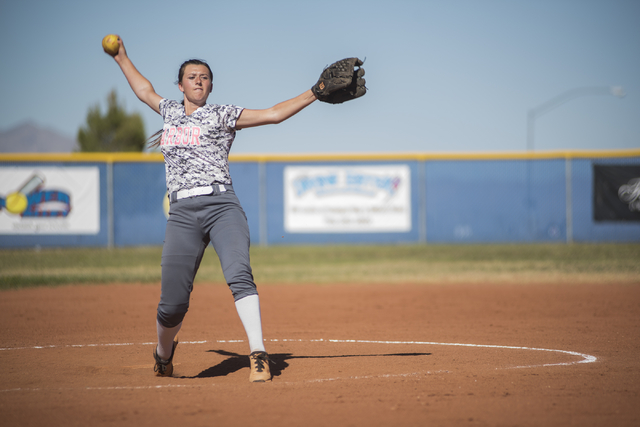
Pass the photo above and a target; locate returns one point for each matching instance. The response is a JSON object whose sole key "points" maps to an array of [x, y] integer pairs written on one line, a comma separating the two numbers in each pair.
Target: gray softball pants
{"points": [[194, 223]]}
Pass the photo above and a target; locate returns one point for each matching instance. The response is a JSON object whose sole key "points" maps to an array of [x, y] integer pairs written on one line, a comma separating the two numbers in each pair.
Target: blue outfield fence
{"points": [[120, 199]]}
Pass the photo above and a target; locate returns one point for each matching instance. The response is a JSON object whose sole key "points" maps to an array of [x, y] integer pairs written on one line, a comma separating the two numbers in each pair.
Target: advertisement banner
{"points": [[342, 199], [49, 200], [616, 193]]}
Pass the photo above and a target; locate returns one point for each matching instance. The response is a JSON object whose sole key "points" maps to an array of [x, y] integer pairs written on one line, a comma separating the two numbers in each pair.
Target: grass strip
{"points": [[336, 264]]}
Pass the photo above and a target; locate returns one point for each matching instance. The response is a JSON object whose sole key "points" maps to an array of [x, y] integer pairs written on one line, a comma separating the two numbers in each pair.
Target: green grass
{"points": [[337, 264]]}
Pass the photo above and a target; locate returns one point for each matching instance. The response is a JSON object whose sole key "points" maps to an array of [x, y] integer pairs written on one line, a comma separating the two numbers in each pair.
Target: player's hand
{"points": [[122, 52]]}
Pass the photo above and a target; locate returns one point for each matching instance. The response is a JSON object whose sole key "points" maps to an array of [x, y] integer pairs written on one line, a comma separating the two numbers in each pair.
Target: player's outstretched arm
{"points": [[276, 114], [341, 81], [139, 84]]}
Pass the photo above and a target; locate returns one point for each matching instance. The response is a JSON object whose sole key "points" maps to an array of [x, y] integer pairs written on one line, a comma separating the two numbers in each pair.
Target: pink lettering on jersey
{"points": [[181, 135], [186, 137], [179, 131], [195, 135], [170, 133]]}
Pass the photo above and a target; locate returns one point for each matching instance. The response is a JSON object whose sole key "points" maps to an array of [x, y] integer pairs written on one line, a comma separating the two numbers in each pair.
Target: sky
{"points": [[443, 76]]}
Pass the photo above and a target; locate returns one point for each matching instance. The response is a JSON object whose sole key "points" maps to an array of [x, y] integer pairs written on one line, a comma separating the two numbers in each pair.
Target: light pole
{"points": [[564, 97]]}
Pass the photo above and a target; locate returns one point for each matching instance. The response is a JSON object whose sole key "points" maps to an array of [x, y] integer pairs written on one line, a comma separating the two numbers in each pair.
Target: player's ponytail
{"points": [[155, 139]]}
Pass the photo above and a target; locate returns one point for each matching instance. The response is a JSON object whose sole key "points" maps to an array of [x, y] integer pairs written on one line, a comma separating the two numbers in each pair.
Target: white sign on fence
{"points": [[343, 199], [49, 200]]}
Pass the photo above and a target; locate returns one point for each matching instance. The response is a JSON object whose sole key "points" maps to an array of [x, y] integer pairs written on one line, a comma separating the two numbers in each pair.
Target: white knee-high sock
{"points": [[165, 339], [249, 312]]}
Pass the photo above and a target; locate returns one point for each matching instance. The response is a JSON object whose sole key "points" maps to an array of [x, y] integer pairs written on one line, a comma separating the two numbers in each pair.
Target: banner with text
{"points": [[342, 199], [49, 200]]}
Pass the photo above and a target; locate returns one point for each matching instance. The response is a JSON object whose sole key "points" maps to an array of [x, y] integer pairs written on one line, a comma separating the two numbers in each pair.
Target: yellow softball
{"points": [[111, 44], [16, 203]]}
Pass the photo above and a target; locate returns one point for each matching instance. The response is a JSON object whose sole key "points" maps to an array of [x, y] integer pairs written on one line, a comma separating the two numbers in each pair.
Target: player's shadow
{"points": [[236, 362]]}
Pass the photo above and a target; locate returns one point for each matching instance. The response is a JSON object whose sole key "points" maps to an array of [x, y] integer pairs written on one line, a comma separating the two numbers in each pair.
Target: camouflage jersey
{"points": [[196, 147]]}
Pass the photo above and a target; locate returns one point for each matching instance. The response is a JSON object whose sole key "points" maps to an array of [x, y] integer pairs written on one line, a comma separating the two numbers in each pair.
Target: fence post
{"points": [[569, 199], [262, 203], [110, 210], [422, 198]]}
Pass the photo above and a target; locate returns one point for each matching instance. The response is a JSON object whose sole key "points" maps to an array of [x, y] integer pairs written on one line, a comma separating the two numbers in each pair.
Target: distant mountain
{"points": [[30, 138]]}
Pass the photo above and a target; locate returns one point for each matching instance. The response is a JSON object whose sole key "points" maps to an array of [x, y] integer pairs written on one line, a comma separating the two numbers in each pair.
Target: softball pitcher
{"points": [[195, 141]]}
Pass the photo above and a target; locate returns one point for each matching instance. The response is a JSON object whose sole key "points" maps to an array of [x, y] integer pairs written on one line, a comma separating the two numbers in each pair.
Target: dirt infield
{"points": [[344, 355]]}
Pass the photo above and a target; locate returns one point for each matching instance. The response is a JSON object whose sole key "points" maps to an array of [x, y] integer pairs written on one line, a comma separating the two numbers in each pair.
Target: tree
{"points": [[115, 131]]}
